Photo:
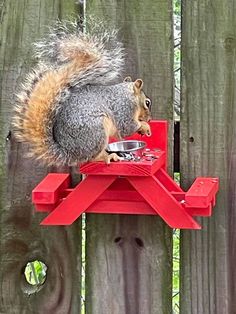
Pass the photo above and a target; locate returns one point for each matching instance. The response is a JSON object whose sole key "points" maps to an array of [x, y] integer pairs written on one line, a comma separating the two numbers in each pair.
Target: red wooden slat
{"points": [[85, 193], [125, 168], [179, 196], [168, 181], [121, 184], [202, 192], [118, 195], [45, 207], [49, 189], [121, 207], [165, 204], [199, 211], [159, 163], [140, 168]]}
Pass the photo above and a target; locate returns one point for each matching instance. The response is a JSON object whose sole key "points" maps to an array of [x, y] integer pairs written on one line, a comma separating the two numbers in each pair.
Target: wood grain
{"points": [[22, 239], [128, 258], [208, 148]]}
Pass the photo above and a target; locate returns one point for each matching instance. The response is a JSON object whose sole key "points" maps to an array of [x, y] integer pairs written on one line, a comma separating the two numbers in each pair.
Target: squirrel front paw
{"points": [[107, 158], [144, 129], [111, 157]]}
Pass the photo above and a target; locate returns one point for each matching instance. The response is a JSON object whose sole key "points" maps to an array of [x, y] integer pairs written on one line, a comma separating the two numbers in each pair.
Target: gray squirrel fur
{"points": [[76, 96]]}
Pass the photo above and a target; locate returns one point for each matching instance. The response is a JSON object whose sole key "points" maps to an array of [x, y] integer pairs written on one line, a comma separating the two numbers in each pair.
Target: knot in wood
{"points": [[229, 44]]}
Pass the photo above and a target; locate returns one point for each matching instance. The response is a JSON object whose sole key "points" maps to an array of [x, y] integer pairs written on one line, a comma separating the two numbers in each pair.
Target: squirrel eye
{"points": [[148, 103]]}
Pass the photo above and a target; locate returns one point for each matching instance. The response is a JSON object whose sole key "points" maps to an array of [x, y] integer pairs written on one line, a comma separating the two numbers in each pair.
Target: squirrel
{"points": [[69, 105]]}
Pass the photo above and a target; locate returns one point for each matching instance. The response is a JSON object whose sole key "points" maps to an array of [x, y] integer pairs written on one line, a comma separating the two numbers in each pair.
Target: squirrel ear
{"points": [[128, 79], [138, 84]]}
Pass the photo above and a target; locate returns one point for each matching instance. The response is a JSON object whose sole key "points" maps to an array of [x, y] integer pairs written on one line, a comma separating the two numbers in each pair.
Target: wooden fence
{"points": [[128, 258]]}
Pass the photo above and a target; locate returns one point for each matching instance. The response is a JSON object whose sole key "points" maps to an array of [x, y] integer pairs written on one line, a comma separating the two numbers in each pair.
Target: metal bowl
{"points": [[127, 147]]}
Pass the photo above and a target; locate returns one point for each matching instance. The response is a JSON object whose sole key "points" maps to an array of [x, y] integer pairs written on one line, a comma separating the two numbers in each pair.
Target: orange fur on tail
{"points": [[37, 104]]}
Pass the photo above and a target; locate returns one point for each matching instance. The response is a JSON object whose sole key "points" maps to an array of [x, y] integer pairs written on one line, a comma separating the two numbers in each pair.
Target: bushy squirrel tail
{"points": [[68, 56]]}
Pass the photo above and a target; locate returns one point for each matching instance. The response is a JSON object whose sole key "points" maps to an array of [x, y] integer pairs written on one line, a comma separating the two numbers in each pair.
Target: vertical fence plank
{"points": [[22, 239], [129, 258], [208, 148]]}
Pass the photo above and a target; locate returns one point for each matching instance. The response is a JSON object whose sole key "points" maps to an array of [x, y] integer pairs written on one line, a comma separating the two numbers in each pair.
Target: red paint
{"points": [[127, 187], [49, 190]]}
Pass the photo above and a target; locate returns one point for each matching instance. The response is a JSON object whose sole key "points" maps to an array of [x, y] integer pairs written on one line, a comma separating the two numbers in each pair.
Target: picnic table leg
{"points": [[171, 211]]}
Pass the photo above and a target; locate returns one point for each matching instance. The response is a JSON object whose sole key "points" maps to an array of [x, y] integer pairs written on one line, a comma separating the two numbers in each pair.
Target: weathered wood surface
{"points": [[208, 142], [128, 258], [22, 239]]}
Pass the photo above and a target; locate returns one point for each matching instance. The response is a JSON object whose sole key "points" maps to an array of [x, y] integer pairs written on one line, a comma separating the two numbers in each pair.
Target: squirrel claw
{"points": [[147, 133], [144, 128]]}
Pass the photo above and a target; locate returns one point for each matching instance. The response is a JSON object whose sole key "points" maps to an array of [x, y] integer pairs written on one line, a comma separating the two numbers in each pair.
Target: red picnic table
{"points": [[140, 187]]}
